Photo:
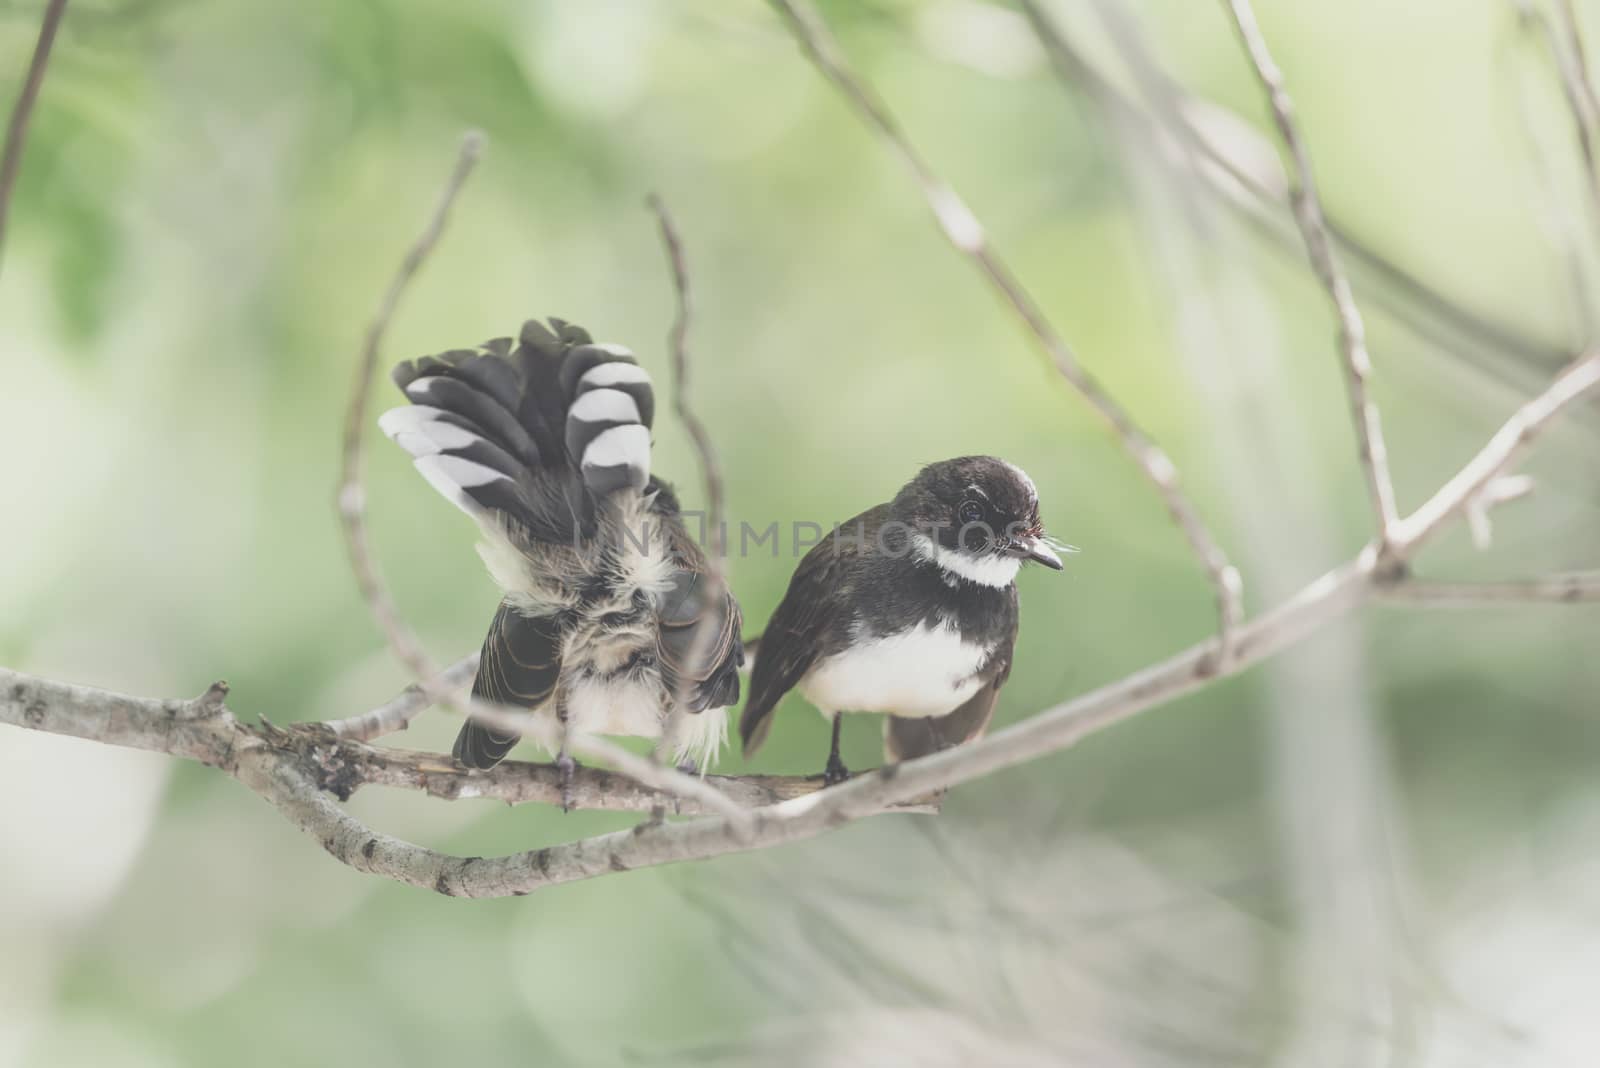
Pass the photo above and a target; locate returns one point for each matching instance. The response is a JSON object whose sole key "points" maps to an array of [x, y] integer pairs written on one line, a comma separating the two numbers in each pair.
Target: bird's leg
{"points": [[835, 772], [566, 767]]}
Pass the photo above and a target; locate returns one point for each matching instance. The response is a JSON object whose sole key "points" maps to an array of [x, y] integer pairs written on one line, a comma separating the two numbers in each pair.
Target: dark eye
{"points": [[970, 512]]}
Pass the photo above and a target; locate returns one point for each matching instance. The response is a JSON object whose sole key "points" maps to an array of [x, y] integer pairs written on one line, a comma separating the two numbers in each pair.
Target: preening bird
{"points": [[545, 442], [910, 609]]}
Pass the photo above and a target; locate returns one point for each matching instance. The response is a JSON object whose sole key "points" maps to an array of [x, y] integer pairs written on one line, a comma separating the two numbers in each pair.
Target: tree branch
{"points": [[963, 230], [397, 713], [204, 730], [1468, 485], [22, 111], [296, 780], [710, 466], [1314, 230], [710, 469], [1570, 588], [352, 497]]}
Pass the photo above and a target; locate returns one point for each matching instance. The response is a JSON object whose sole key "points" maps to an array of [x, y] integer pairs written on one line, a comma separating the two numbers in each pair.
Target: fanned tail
{"points": [[530, 434], [526, 437]]}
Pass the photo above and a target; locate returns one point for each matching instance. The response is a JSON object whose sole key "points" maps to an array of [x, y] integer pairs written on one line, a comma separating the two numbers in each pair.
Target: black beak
{"points": [[1036, 550]]}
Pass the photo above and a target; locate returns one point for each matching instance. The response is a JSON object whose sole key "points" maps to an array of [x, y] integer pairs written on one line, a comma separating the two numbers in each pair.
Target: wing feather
{"points": [[794, 636], [520, 665]]}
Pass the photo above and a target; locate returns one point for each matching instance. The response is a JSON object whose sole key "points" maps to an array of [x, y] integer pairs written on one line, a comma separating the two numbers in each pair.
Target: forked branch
{"points": [[285, 767]]}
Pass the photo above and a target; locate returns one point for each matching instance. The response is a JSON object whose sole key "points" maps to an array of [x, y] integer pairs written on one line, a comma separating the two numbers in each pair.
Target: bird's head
{"points": [[976, 517]]}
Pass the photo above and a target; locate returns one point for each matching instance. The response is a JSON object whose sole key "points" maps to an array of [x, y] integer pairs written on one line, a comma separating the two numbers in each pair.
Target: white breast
{"points": [[924, 671]]}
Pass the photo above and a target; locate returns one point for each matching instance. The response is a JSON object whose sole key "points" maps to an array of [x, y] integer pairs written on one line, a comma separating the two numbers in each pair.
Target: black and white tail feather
{"points": [[545, 442]]}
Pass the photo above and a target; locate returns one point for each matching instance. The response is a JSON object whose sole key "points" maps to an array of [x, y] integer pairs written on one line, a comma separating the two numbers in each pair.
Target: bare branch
{"points": [[202, 729], [963, 230], [267, 761], [22, 111], [516, 782], [352, 497], [1455, 496], [1571, 588], [296, 769], [1567, 53], [397, 713], [1314, 230], [710, 467]]}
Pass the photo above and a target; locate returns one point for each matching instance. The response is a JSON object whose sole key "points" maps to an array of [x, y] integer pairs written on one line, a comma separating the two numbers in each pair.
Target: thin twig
{"points": [[204, 730], [1567, 53], [1571, 588], [397, 713], [1457, 495], [22, 112], [352, 497], [963, 230], [1308, 215], [710, 466], [1555, 214]]}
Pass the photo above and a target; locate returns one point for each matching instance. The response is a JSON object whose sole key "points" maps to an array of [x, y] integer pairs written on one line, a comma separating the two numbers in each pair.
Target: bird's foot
{"points": [[835, 773], [686, 766], [567, 767]]}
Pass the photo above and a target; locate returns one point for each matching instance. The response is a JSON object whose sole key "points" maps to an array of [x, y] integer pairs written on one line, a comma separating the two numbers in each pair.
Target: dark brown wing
{"points": [[697, 643], [793, 638], [520, 665]]}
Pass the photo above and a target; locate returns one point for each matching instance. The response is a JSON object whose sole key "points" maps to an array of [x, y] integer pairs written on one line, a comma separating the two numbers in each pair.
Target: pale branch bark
{"points": [[710, 467], [397, 713], [517, 782], [22, 112], [351, 497], [402, 640], [963, 230], [1307, 204], [1468, 484], [677, 343], [203, 729], [1569, 588]]}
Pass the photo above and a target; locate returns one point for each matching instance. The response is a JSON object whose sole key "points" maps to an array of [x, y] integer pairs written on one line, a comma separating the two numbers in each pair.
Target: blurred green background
{"points": [[1380, 849]]}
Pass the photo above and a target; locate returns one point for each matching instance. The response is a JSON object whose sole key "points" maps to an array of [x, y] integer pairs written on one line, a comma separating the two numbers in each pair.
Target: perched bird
{"points": [[545, 442], [910, 608]]}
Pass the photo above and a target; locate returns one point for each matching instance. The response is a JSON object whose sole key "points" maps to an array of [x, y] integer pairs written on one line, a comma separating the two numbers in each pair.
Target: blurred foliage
{"points": [[215, 195]]}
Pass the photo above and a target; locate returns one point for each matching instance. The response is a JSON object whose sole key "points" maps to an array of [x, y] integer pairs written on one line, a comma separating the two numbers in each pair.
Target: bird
{"points": [[605, 598], [910, 609]]}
